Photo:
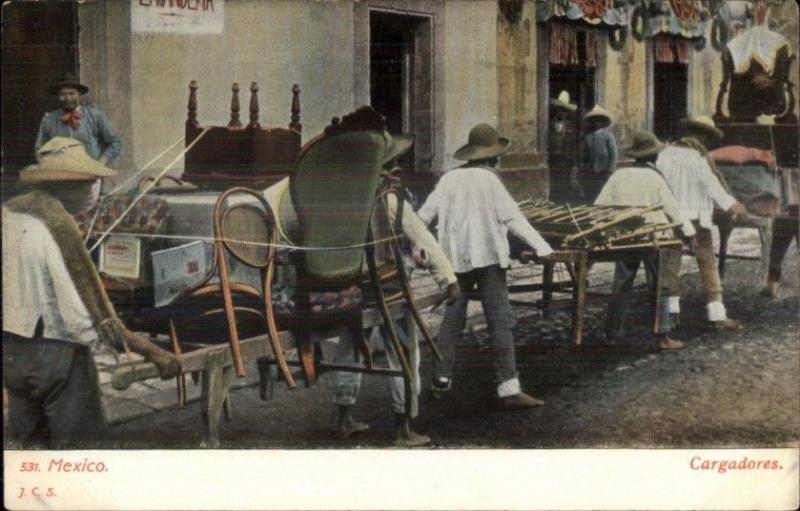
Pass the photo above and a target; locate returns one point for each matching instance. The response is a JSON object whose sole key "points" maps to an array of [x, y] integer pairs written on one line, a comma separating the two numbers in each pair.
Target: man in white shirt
{"points": [[55, 308], [642, 185], [686, 168], [475, 213]]}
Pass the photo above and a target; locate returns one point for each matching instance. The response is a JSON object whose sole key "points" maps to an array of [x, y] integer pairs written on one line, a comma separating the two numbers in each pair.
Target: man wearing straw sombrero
{"points": [[642, 185], [475, 213], [55, 307], [561, 147], [74, 120], [691, 176], [598, 153]]}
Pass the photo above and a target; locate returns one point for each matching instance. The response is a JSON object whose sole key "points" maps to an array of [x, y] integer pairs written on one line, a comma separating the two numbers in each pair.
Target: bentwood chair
{"points": [[228, 304]]}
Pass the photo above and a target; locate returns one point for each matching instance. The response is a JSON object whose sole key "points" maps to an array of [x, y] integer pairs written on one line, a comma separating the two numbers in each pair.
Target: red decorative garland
{"points": [[594, 8], [685, 10]]}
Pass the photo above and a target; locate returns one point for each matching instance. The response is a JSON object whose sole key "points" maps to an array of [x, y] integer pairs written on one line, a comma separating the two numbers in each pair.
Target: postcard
{"points": [[400, 254]]}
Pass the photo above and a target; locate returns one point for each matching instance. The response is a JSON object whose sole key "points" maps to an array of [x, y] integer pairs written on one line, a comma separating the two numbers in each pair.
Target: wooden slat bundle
{"points": [[597, 228]]}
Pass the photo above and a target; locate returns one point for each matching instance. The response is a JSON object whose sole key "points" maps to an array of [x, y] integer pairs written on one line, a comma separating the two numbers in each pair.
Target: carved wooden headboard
{"points": [[246, 155]]}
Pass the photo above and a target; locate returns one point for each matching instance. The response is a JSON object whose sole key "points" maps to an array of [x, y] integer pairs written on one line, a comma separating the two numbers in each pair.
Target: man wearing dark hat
{"points": [[690, 174], [84, 123], [475, 213], [598, 153], [55, 308], [641, 185]]}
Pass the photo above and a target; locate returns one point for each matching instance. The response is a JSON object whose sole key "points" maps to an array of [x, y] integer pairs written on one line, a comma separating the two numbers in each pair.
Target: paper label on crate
{"points": [[179, 269], [120, 256]]}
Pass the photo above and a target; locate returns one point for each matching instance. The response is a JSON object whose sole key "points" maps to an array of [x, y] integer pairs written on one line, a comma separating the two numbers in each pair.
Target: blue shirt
{"points": [[94, 130], [599, 152]]}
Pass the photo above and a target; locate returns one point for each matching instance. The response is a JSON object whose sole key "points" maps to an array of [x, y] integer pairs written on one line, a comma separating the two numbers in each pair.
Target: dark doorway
{"points": [[670, 95], [565, 135], [39, 46], [572, 71], [401, 83], [579, 82]]}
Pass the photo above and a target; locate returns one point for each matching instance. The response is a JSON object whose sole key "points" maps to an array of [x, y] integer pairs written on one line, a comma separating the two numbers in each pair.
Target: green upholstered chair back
{"points": [[333, 188]]}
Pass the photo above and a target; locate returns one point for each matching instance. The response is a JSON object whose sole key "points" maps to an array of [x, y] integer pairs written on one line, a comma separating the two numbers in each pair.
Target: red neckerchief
{"points": [[72, 118]]}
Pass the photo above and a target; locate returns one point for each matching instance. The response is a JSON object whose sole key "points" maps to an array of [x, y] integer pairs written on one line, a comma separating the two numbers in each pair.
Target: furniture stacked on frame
{"points": [[584, 235], [756, 162], [241, 155], [335, 190], [755, 109], [225, 320], [226, 156]]}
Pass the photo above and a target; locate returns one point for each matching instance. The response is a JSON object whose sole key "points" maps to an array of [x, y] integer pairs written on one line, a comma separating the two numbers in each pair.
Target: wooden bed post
{"points": [[191, 115], [295, 124], [579, 295], [254, 106], [235, 122]]}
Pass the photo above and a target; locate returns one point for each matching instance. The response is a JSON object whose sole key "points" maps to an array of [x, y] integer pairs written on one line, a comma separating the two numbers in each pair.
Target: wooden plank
{"points": [[530, 288], [581, 271]]}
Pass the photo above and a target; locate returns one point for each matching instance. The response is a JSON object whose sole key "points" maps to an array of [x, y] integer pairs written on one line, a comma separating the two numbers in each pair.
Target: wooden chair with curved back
{"points": [[230, 306], [335, 189]]}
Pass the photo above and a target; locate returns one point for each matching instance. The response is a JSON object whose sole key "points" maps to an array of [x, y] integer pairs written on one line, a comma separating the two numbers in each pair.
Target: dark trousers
{"points": [[784, 230], [622, 300], [560, 184], [491, 287], [53, 395], [591, 184]]}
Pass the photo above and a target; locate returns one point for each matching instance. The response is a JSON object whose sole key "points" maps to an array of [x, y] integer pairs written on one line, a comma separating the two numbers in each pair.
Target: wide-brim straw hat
{"points": [[483, 142], [69, 81], [398, 145], [64, 159], [599, 113], [644, 144], [706, 123], [563, 102]]}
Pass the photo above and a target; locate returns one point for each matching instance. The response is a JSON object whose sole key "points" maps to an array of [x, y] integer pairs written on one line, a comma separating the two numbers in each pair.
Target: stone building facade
{"points": [[435, 67]]}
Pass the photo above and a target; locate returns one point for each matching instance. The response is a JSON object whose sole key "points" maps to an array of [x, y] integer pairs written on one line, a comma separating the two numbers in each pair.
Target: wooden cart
{"points": [[590, 234], [216, 365]]}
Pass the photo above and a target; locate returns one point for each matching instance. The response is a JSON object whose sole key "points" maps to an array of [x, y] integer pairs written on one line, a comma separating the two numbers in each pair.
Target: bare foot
{"points": [[728, 325], [350, 427], [668, 343]]}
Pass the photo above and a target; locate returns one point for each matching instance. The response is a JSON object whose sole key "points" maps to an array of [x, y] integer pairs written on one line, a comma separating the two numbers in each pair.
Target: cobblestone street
{"points": [[722, 390]]}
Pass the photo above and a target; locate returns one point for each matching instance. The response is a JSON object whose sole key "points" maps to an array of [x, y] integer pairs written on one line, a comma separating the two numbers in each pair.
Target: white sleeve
{"points": [[419, 234], [71, 308], [429, 210], [712, 185], [508, 213], [671, 209]]}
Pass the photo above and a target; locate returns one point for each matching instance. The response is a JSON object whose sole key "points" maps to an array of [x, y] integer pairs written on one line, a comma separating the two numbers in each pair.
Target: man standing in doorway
{"points": [[598, 153], [690, 174], [562, 146], [74, 120], [475, 213]]}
